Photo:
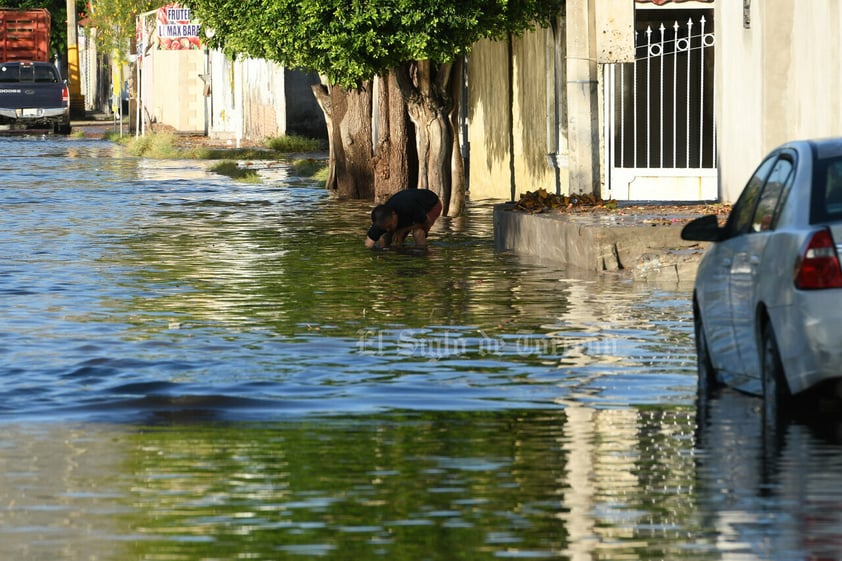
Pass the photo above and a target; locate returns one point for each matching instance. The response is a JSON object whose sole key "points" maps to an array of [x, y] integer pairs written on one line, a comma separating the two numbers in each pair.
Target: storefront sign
{"points": [[175, 31]]}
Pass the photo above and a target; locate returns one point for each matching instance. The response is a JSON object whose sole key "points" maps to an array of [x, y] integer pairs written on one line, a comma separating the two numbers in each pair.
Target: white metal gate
{"points": [[659, 116]]}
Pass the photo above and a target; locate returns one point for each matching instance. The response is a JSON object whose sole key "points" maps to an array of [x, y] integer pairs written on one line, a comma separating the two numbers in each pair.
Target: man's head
{"points": [[385, 218]]}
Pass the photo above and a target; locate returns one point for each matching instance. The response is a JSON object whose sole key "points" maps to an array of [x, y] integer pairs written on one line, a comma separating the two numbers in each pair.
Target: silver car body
{"points": [[747, 279]]}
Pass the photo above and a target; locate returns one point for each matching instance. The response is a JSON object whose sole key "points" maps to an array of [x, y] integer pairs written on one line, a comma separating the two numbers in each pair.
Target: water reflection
{"points": [[154, 286], [769, 496], [198, 369], [578, 483], [469, 485]]}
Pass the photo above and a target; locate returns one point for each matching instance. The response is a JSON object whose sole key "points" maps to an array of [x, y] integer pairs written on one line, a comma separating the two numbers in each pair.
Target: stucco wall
{"points": [[531, 71], [489, 121], [780, 79], [490, 128], [247, 98], [739, 99], [176, 90], [304, 116]]}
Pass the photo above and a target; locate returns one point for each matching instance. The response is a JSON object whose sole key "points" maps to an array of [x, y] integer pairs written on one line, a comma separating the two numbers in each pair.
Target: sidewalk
{"points": [[642, 241], [95, 125]]}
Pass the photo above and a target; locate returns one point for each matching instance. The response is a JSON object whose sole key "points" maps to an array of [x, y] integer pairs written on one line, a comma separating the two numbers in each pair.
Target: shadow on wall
{"points": [[512, 116], [304, 116], [489, 106], [530, 132]]}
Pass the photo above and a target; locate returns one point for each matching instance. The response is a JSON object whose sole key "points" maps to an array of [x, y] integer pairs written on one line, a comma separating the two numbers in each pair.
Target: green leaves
{"points": [[351, 41], [114, 21]]}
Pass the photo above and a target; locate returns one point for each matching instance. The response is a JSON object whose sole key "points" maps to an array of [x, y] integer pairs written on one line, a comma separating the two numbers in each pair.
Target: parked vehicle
{"points": [[33, 95], [768, 294]]}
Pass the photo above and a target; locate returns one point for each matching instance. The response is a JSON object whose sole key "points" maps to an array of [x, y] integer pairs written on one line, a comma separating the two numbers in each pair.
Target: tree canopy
{"points": [[351, 41], [114, 21], [414, 46]]}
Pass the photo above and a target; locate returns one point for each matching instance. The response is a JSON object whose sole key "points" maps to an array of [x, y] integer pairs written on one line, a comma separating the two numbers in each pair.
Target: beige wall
{"points": [[490, 127], [779, 80], [489, 121], [174, 91], [531, 69]]}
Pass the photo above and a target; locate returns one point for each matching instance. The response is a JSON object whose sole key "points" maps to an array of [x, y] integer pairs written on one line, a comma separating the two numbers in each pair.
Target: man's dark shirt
{"points": [[411, 206]]}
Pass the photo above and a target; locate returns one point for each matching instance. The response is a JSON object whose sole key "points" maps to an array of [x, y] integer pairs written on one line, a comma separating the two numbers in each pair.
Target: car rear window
{"points": [[826, 204], [9, 73], [15, 72]]}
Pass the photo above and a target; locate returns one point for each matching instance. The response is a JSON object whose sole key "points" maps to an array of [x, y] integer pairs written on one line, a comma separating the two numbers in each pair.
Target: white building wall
{"points": [[777, 80], [247, 98]]}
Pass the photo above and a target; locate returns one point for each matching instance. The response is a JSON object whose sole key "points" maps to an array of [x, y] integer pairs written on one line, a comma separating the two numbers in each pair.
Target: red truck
{"points": [[33, 94]]}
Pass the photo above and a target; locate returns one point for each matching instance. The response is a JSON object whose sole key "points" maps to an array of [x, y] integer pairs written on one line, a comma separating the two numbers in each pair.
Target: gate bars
{"points": [[661, 108]]}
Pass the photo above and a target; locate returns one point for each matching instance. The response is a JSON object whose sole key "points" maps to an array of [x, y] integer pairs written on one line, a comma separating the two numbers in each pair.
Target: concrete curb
{"points": [[641, 246]]}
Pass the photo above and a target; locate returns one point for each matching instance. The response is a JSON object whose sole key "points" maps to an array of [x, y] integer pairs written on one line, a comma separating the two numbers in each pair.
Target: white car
{"points": [[767, 301]]}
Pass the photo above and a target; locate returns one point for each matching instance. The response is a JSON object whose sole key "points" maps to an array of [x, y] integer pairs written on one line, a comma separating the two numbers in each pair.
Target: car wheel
{"points": [[706, 374], [61, 128], [775, 388], [705, 380]]}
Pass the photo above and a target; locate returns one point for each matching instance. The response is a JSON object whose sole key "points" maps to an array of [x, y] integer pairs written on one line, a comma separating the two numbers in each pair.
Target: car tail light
{"points": [[65, 95], [818, 265]]}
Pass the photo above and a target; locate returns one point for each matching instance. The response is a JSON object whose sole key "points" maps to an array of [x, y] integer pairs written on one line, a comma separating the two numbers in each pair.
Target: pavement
{"points": [[641, 241], [95, 125]]}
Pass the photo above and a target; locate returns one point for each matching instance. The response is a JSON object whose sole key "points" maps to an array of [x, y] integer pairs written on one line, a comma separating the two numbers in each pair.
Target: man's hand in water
{"points": [[420, 237], [383, 243]]}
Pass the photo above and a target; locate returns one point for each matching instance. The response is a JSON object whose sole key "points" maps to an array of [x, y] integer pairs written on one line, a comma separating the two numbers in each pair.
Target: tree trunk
{"points": [[428, 91], [424, 156], [348, 118], [396, 163], [458, 185]]}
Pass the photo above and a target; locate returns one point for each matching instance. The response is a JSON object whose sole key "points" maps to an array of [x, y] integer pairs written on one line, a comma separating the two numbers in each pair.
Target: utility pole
{"points": [[74, 78]]}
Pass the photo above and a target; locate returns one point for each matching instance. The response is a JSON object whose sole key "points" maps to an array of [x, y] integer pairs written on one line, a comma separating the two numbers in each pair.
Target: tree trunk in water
{"points": [[348, 118], [426, 155], [428, 91], [396, 163], [458, 185]]}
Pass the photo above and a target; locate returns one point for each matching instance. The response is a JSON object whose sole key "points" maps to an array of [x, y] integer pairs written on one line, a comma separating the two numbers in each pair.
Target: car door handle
{"points": [[726, 263], [754, 260]]}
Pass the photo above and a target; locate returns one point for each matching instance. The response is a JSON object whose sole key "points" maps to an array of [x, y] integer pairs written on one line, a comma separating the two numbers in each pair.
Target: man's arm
{"points": [[419, 234], [382, 243], [377, 237]]}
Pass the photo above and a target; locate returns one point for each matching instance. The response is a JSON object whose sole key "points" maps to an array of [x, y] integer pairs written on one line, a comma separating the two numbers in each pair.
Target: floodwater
{"points": [[195, 369]]}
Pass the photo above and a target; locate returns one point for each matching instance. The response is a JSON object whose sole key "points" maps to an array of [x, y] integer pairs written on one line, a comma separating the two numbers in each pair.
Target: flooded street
{"points": [[195, 368]]}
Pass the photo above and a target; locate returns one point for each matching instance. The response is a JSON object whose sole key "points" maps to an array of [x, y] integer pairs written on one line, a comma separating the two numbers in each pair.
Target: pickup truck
{"points": [[33, 96]]}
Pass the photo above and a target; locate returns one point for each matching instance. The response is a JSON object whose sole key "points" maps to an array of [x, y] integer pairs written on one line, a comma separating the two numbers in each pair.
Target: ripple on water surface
{"points": [[130, 288], [235, 376]]}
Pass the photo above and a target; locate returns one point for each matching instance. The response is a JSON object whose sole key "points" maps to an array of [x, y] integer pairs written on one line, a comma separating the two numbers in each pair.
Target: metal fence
{"points": [[661, 108]]}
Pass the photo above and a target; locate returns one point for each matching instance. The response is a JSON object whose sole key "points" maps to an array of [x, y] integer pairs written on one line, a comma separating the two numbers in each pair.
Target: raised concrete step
{"points": [[646, 246]]}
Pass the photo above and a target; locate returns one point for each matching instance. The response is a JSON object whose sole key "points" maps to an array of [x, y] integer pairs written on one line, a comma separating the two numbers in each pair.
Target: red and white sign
{"points": [[175, 30]]}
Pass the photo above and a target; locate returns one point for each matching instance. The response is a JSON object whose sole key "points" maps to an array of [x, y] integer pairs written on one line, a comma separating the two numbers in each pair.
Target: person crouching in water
{"points": [[412, 211]]}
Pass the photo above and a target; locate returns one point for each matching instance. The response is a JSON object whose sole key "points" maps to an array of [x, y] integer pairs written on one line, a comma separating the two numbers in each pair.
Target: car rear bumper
{"points": [[809, 334], [36, 115]]}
